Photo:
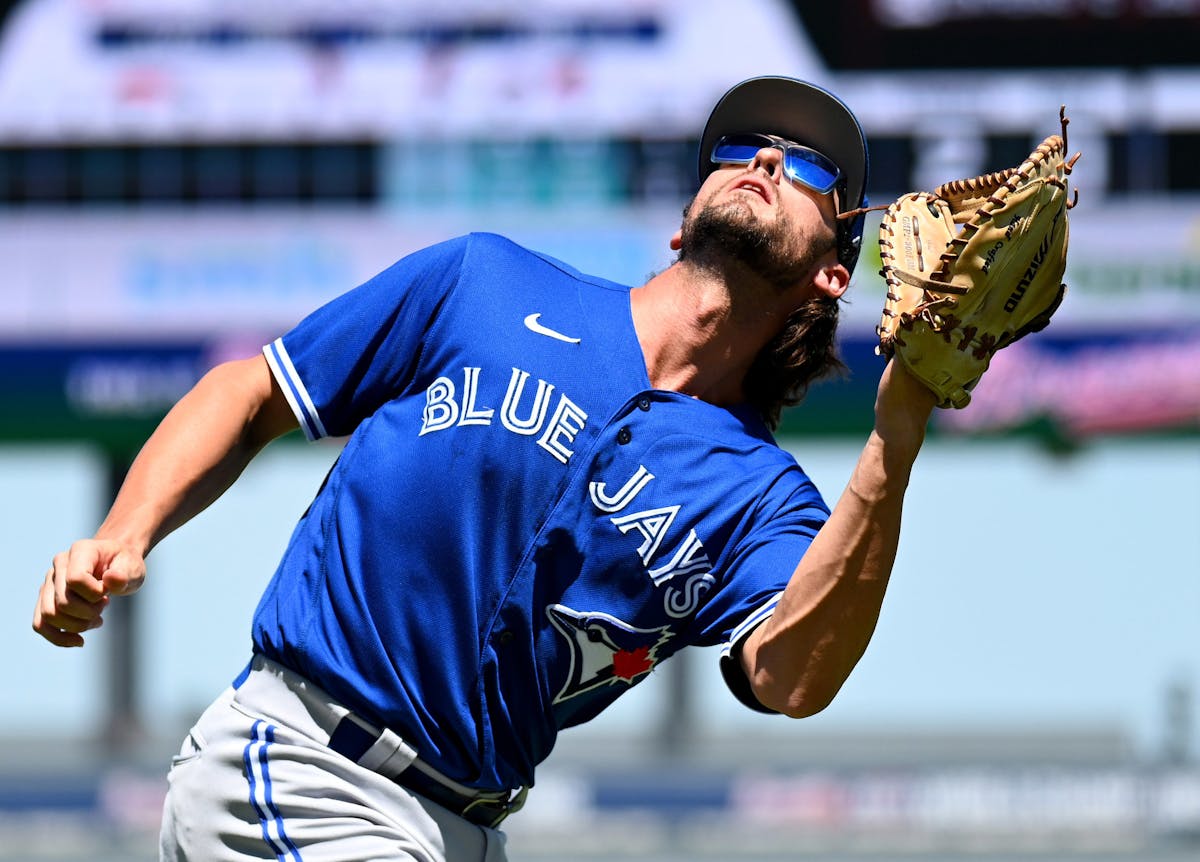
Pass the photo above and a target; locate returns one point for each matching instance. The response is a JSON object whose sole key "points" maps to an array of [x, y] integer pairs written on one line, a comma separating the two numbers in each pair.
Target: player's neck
{"points": [[697, 337]]}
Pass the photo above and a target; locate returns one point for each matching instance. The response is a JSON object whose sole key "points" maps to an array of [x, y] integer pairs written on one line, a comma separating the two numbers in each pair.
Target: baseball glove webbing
{"points": [[973, 266]]}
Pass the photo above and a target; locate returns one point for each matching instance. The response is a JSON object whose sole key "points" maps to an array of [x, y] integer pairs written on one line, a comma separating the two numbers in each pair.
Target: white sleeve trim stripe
{"points": [[309, 407], [756, 618], [288, 391], [293, 389]]}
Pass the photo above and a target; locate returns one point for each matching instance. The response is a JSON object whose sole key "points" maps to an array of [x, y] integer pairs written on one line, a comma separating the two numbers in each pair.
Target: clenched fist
{"points": [[78, 585]]}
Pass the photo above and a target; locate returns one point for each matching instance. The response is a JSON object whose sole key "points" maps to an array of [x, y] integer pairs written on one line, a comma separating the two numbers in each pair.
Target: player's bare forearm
{"points": [[197, 451], [799, 659]]}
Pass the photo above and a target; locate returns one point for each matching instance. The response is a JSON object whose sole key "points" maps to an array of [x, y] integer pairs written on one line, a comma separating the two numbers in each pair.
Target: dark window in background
{"points": [[161, 174], [174, 174], [342, 172], [1183, 160], [44, 175], [891, 167], [1008, 150], [104, 174], [278, 173], [1144, 161], [218, 173]]}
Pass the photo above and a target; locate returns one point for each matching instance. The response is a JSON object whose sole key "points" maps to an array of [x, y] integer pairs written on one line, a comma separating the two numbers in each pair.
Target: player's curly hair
{"points": [[805, 350]]}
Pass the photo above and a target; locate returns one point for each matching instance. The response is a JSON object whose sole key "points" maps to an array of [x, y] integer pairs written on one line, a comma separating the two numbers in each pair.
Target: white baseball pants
{"points": [[254, 780]]}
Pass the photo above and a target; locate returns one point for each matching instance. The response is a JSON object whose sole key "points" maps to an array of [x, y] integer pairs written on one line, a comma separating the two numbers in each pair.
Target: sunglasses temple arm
{"points": [[860, 211]]}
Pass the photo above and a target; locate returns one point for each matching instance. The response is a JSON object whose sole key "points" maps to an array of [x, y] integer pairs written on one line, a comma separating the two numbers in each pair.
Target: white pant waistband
{"points": [[284, 696], [274, 691]]}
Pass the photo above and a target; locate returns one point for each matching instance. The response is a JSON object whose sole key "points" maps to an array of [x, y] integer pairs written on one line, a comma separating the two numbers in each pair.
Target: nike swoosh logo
{"points": [[531, 323]]}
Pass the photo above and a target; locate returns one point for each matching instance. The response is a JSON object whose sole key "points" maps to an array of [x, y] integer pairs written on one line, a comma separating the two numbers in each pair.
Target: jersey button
{"points": [[504, 638], [624, 436], [643, 403]]}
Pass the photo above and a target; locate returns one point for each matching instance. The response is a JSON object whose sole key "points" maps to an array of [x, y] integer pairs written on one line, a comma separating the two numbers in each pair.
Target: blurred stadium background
{"points": [[181, 180]]}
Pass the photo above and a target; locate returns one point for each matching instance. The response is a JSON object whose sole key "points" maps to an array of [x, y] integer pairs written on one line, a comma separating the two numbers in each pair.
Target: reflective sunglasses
{"points": [[800, 164]]}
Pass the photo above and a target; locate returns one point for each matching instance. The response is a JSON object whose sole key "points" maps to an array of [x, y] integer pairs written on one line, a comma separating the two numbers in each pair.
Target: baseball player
{"points": [[550, 484]]}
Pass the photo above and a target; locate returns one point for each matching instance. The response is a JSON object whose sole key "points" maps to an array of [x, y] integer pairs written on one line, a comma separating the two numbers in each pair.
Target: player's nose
{"points": [[769, 160]]}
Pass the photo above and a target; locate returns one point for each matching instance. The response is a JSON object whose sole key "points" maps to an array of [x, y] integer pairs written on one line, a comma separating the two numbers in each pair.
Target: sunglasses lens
{"points": [[805, 166], [811, 169], [738, 149]]}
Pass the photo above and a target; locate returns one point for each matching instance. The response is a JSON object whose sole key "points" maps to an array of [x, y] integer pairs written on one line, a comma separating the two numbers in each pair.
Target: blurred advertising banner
{"points": [[135, 273], [1084, 385], [112, 396], [1122, 354], [1059, 387], [168, 69]]}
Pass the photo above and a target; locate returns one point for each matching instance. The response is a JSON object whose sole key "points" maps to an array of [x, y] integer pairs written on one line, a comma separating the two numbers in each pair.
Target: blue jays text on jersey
{"points": [[519, 527]]}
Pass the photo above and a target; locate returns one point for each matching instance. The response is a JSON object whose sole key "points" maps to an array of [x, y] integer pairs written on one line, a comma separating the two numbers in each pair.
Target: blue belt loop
{"points": [[241, 677]]}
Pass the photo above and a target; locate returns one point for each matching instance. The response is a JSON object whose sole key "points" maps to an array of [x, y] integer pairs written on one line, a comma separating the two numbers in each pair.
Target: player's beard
{"points": [[722, 237]]}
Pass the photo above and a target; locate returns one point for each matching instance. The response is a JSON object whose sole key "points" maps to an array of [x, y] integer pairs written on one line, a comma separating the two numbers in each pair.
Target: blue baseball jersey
{"points": [[519, 528]]}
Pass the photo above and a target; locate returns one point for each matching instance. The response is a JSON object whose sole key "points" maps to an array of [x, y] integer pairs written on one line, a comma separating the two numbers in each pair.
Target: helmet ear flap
{"points": [[849, 239]]}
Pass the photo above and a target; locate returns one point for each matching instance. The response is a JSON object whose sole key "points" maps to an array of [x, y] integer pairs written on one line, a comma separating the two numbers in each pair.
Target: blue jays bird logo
{"points": [[604, 650]]}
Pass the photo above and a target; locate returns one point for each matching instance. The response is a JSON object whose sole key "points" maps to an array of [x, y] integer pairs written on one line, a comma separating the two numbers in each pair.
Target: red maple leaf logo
{"points": [[628, 664]]}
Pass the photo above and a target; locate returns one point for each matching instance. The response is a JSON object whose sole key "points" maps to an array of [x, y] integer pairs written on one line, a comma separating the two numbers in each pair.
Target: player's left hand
{"points": [[974, 266], [77, 587]]}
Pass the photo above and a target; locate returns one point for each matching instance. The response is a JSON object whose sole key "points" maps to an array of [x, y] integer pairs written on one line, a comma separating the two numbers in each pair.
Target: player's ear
{"points": [[832, 279], [677, 240]]}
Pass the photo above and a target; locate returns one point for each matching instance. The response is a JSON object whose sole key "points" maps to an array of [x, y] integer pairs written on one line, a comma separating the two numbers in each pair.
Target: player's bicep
{"points": [[275, 416], [249, 394]]}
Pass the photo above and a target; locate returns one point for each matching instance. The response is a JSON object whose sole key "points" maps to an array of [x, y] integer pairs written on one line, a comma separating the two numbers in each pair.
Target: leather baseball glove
{"points": [[974, 265]]}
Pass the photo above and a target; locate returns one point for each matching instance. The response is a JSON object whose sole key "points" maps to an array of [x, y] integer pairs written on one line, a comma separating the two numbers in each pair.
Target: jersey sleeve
{"points": [[353, 354], [753, 581]]}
